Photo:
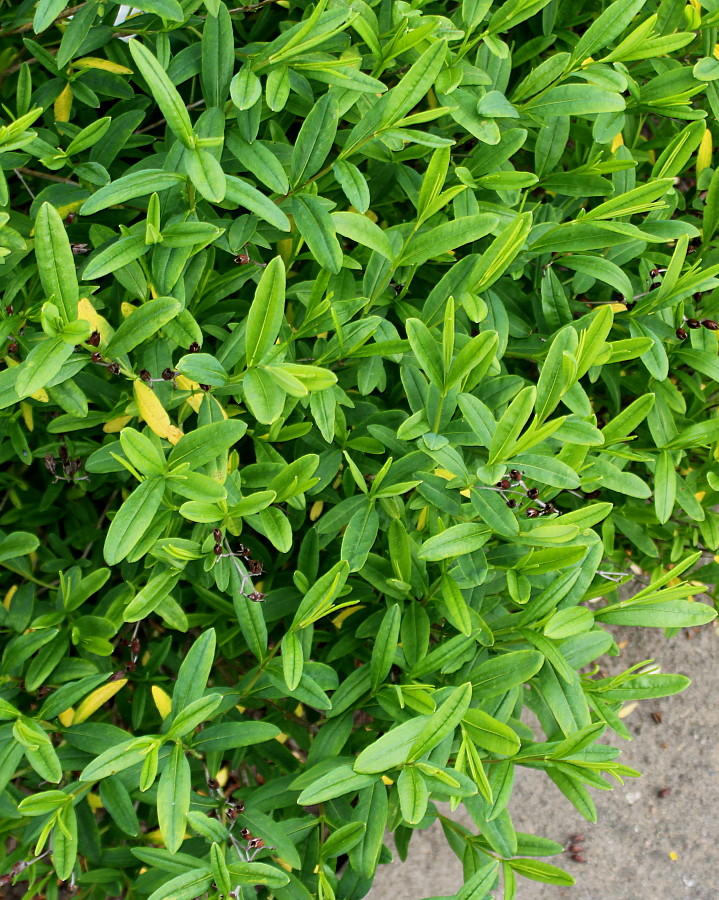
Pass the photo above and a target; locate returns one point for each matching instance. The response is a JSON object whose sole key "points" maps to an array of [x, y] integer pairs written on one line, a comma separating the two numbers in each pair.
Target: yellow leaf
{"points": [[92, 62], [422, 519], [618, 307], [281, 738], [700, 495], [96, 699], [127, 309], [8, 597], [94, 801], [154, 413], [316, 510], [162, 701], [341, 616], [67, 717], [448, 476], [223, 776], [618, 141], [116, 424], [588, 61], [63, 104], [194, 401], [704, 153], [26, 411], [387, 780], [716, 51], [87, 312]]}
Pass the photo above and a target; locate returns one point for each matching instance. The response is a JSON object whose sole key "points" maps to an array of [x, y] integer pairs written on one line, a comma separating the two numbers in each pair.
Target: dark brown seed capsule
{"points": [[681, 334], [217, 549], [654, 273], [630, 304], [664, 792], [505, 484], [217, 535], [658, 717], [532, 513], [50, 463], [117, 676], [514, 475], [710, 324], [533, 493], [168, 374], [130, 667], [94, 339], [114, 368], [205, 387], [549, 508], [246, 834], [213, 784], [145, 375], [256, 596], [575, 848], [693, 323], [242, 259], [194, 347], [79, 249], [577, 857], [135, 646], [96, 357], [12, 347], [577, 837], [511, 503], [256, 844], [232, 814], [9, 309]]}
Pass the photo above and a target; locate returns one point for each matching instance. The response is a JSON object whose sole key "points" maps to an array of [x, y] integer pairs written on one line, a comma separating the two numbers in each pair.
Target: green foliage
{"points": [[351, 350]]}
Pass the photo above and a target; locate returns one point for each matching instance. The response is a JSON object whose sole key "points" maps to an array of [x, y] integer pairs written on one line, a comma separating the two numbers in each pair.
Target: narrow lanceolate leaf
{"points": [[511, 424], [56, 264], [142, 324], [385, 646], [129, 187], [442, 722], [133, 519], [292, 660], [315, 139], [173, 798], [246, 195], [164, 92], [665, 486], [266, 312], [413, 795]]}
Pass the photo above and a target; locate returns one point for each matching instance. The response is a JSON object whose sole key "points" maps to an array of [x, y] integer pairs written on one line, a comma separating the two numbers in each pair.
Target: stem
{"points": [[65, 14]]}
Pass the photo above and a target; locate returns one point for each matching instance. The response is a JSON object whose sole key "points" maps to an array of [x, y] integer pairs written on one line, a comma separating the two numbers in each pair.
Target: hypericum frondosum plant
{"points": [[349, 349]]}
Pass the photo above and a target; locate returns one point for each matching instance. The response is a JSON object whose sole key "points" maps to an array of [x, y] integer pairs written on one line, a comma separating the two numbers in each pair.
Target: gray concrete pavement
{"points": [[643, 847]]}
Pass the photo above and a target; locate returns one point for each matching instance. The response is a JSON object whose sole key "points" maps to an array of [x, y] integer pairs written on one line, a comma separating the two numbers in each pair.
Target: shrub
{"points": [[350, 349]]}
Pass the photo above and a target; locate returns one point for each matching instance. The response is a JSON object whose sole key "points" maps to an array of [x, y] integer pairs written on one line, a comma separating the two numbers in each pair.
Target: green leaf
{"points": [[665, 486], [489, 733], [426, 351], [133, 519], [385, 646], [510, 425], [445, 237], [43, 363], [341, 780], [56, 264], [129, 187], [606, 27], [317, 228], [266, 312], [142, 324], [19, 543], [206, 174], [198, 447], [319, 598], [363, 231], [173, 799], [391, 750], [315, 139], [164, 92], [575, 100], [292, 660], [244, 194], [537, 870], [186, 886], [413, 795], [194, 672], [455, 541], [118, 254], [167, 9], [442, 722]]}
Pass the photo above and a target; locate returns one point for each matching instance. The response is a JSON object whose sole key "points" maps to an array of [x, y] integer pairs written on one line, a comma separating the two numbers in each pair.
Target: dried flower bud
{"points": [[533, 493], [515, 475], [505, 484], [217, 549], [94, 339], [96, 357], [135, 646], [168, 374], [118, 676], [79, 249], [246, 834], [50, 463], [654, 273], [577, 837], [239, 806], [130, 667], [710, 324], [213, 784], [256, 596], [145, 375], [681, 334], [194, 347], [205, 387], [577, 857], [9, 309], [532, 513], [217, 535], [693, 323], [114, 368], [256, 844], [511, 503], [630, 304], [242, 259], [232, 814], [12, 347]]}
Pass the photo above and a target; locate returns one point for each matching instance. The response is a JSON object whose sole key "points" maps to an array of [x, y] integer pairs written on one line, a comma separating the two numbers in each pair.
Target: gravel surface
{"points": [[644, 847]]}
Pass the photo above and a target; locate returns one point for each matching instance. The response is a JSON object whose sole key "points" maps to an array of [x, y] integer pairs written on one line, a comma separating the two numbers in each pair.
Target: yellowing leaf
{"points": [[127, 309], [704, 153], [316, 510], [67, 717], [8, 597], [87, 312], [617, 141], [163, 701], [448, 476], [340, 617], [116, 424], [94, 801], [40, 395], [184, 384], [154, 413], [92, 62], [223, 776], [26, 411], [387, 780], [96, 699], [63, 104]]}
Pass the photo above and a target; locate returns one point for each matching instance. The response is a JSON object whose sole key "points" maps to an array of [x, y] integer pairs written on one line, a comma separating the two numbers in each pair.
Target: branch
{"points": [[65, 14]]}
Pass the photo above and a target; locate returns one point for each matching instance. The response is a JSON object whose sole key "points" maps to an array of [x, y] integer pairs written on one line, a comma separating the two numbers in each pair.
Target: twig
{"points": [[163, 121], [70, 11], [24, 183], [105, 511], [45, 175]]}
